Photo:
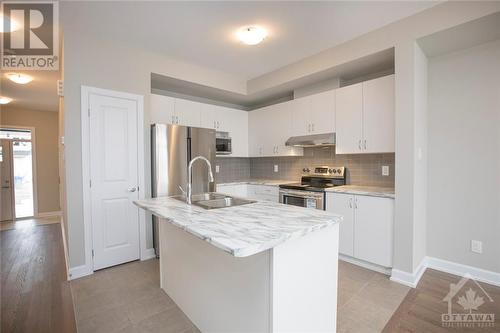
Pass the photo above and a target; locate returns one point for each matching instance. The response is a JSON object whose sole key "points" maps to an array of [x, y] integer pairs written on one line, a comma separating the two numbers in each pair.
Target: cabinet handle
{"points": [[173, 119], [177, 121], [308, 128], [218, 124], [365, 144], [356, 203], [359, 145], [312, 127], [350, 203]]}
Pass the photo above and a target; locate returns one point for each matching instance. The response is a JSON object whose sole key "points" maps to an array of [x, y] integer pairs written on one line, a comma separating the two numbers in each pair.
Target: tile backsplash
{"points": [[362, 169]]}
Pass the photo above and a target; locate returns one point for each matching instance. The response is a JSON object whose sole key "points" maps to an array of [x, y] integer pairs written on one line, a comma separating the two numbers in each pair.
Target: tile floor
{"points": [[127, 298]]}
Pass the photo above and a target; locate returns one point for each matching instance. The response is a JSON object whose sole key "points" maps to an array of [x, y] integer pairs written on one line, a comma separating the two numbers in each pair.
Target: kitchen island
{"points": [[260, 267]]}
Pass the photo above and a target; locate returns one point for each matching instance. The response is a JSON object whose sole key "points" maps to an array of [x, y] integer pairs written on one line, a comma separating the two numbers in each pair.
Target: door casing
{"points": [[145, 253]]}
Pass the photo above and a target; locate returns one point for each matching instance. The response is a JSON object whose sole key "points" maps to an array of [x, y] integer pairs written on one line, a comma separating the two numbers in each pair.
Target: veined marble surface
{"points": [[373, 191], [241, 230], [268, 182]]}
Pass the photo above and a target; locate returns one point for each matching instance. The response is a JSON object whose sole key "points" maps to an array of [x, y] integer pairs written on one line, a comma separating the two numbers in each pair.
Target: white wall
{"points": [[420, 160], [464, 156]]}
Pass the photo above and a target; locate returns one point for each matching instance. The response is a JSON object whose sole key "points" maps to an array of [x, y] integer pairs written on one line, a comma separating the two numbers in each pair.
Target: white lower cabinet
{"points": [[366, 232], [237, 190], [250, 191]]}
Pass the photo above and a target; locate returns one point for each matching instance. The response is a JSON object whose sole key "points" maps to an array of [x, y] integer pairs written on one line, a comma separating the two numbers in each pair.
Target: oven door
{"points": [[302, 198]]}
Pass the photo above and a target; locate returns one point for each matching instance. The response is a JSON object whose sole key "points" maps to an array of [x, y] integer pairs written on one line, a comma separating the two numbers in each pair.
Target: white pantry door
{"points": [[114, 179]]}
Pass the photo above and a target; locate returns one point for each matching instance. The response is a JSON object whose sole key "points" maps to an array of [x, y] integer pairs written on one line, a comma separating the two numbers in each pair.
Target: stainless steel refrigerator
{"points": [[172, 147]]}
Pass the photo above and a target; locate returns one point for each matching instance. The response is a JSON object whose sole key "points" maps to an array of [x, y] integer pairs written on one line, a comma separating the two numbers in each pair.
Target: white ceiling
{"points": [[203, 32], [40, 94]]}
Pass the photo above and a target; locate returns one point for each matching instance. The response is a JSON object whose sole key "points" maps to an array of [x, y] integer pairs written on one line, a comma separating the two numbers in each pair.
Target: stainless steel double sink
{"points": [[214, 200]]}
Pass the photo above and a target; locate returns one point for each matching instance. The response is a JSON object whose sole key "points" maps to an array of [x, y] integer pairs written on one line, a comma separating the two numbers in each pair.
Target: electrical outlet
{"points": [[217, 169], [476, 246], [385, 170], [276, 169]]}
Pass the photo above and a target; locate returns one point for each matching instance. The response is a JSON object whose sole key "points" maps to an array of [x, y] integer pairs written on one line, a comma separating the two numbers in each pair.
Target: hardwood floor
{"points": [[35, 296], [422, 308]]}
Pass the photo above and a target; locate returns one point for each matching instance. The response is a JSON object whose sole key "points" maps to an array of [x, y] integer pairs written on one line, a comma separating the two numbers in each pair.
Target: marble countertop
{"points": [[269, 182], [374, 191], [241, 230]]}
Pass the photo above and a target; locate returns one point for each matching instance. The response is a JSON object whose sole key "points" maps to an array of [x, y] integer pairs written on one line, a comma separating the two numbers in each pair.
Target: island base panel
{"points": [[291, 287]]}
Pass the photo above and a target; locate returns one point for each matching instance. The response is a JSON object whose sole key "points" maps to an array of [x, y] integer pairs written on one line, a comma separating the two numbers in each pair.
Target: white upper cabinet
{"points": [[365, 117], [269, 128], [314, 114], [162, 109], [349, 119], [378, 115], [188, 113], [236, 123]]}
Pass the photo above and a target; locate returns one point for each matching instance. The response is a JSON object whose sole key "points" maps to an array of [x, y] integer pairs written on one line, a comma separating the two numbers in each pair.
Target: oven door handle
{"points": [[301, 194]]}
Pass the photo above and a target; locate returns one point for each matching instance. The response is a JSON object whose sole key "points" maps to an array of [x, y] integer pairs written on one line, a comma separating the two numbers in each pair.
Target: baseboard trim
{"points": [[478, 274], [409, 279], [148, 254], [364, 264], [79, 271], [49, 214]]}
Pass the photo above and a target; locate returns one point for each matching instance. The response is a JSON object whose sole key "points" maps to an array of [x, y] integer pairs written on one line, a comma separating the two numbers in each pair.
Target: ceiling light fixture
{"points": [[5, 100], [19, 78], [252, 35], [13, 25]]}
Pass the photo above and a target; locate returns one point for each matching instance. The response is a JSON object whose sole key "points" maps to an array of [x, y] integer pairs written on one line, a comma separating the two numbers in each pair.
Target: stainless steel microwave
{"points": [[223, 144]]}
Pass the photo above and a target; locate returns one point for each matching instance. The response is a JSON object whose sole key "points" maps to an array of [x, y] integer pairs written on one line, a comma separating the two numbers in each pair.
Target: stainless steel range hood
{"points": [[314, 140]]}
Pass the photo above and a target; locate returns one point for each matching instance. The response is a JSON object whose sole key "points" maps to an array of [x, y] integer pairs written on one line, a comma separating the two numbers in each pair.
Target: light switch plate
{"points": [[217, 169], [385, 170], [276, 169], [476, 246]]}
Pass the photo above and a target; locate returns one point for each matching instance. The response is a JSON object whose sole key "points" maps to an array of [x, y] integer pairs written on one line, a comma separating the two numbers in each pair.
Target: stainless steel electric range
{"points": [[310, 192]]}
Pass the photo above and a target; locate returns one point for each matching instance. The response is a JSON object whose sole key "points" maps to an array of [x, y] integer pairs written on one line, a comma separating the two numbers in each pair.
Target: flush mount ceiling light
{"points": [[11, 24], [252, 35], [5, 100], [19, 78]]}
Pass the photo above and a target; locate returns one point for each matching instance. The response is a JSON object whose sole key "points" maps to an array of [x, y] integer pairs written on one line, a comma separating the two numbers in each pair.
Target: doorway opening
{"points": [[18, 179]]}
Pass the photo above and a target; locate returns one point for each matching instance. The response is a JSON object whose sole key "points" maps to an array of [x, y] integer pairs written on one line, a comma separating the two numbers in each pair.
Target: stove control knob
{"points": [[306, 170], [332, 170], [339, 171]]}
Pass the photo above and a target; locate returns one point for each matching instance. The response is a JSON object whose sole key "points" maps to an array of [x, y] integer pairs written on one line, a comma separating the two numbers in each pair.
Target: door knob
{"points": [[132, 189]]}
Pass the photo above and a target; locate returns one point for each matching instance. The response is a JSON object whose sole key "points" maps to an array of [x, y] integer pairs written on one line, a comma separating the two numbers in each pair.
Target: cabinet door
{"points": [[208, 116], [188, 112], [342, 204], [373, 229], [322, 112], [238, 190], [256, 132], [236, 123], [349, 119], [301, 124], [378, 115], [162, 109]]}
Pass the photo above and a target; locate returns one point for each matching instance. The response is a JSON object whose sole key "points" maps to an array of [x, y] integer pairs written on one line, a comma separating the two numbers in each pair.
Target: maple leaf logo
{"points": [[470, 301]]}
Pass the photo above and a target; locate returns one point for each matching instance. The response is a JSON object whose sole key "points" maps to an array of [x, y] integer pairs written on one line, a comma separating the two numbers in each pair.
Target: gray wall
{"points": [[362, 169], [464, 156]]}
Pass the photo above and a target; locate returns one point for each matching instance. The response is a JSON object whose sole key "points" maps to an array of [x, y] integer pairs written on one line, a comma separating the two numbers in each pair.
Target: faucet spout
{"points": [[189, 194]]}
